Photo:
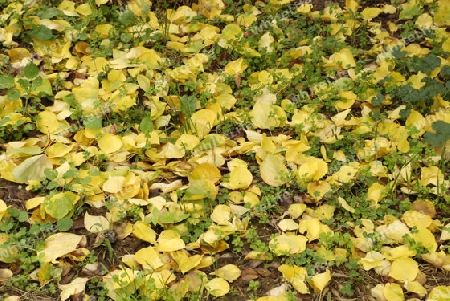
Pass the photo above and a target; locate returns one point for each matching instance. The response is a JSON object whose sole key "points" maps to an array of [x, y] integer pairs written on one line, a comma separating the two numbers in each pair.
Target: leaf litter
{"points": [[341, 153]]}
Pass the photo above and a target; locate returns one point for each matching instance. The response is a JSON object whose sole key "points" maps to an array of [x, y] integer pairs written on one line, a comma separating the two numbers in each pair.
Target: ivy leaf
{"points": [[188, 105], [13, 94], [30, 70], [41, 33], [127, 18], [6, 81], [146, 125], [59, 205], [397, 53], [445, 71], [48, 13], [64, 224], [426, 64], [378, 99], [20, 215], [442, 133], [93, 123]]}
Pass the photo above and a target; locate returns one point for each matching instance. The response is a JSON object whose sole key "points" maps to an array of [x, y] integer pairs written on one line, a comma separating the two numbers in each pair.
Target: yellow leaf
{"points": [[240, 178], [296, 276], [189, 263], [273, 170], [200, 189], [221, 215], [96, 223], [279, 2], [305, 8], [149, 258], [47, 122], [345, 174], [318, 189], [171, 151], [312, 169], [296, 210], [288, 225], [439, 293], [343, 57], [393, 292], [348, 98], [398, 252], [446, 45], [265, 115], [218, 287], [376, 192], [415, 287], [31, 169], [58, 150], [266, 42], [415, 119], [426, 238], [110, 143], [442, 13], [34, 202], [120, 281], [5, 275], [203, 121], [254, 255], [288, 244], [230, 33], [205, 171], [373, 259], [169, 241], [320, 281], [370, 12], [251, 199], [144, 232], [84, 9], [294, 151], [404, 269], [345, 205], [312, 227], [3, 208], [273, 298], [229, 272], [58, 245], [13, 118], [246, 20], [445, 234], [77, 286], [414, 218], [114, 184], [431, 175], [187, 142], [416, 80], [235, 67], [323, 212], [103, 30], [394, 231]]}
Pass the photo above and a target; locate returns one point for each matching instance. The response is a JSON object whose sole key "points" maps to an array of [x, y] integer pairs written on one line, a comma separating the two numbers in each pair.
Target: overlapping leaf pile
{"points": [[189, 118]]}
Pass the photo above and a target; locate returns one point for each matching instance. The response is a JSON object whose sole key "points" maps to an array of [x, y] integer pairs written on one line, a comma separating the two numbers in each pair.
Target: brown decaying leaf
{"points": [[249, 274]]}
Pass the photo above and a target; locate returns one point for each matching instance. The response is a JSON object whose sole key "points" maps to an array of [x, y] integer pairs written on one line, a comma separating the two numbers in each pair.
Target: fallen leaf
{"points": [[229, 272], [75, 287], [320, 281], [58, 245], [296, 276], [249, 274], [218, 287], [404, 269], [96, 223]]}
